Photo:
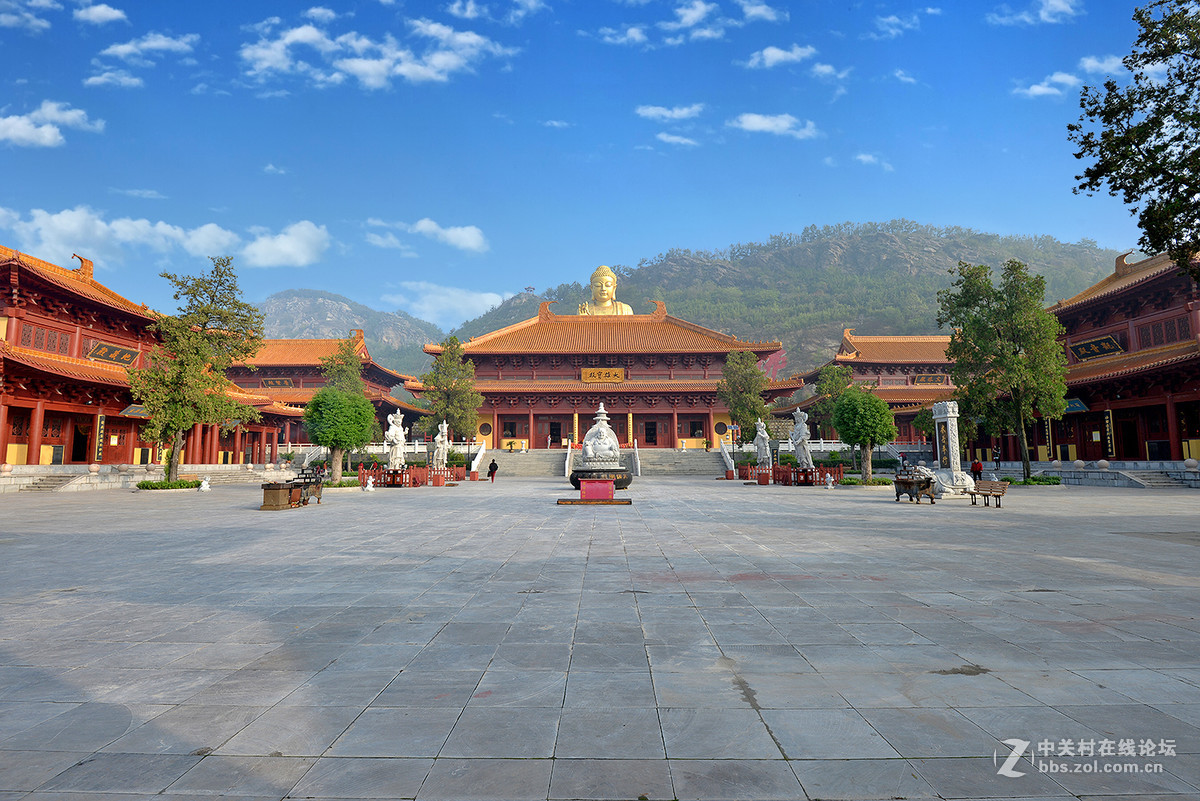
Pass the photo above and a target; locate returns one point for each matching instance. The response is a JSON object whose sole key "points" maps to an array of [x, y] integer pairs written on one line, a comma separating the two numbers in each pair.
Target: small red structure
{"points": [[592, 489]]}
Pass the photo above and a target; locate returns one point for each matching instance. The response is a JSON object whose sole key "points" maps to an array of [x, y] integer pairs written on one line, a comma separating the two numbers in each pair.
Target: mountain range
{"points": [[800, 289]]}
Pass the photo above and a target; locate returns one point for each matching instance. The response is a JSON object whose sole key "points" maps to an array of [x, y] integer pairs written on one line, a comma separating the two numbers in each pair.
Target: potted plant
{"points": [[707, 444]]}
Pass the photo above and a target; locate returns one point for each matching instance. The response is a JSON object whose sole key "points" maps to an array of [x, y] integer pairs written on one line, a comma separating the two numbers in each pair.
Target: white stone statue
{"points": [[600, 445], [370, 485], [395, 440], [799, 439], [441, 446], [762, 444], [204, 486]]}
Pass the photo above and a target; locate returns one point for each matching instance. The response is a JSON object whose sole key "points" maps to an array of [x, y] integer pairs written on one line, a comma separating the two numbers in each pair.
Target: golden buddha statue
{"points": [[604, 292]]}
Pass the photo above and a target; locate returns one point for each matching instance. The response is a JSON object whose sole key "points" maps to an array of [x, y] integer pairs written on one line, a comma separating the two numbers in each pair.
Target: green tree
{"points": [[832, 381], [740, 389], [184, 382], [863, 419], [450, 391], [340, 421], [1005, 354], [1143, 138], [343, 369]]}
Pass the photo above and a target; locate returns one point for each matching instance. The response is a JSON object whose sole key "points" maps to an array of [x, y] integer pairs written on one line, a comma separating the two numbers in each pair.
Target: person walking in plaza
{"points": [[492, 468], [976, 469]]}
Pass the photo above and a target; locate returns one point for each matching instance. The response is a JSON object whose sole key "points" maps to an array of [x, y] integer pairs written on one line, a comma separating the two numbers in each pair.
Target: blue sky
{"points": [[439, 156]]}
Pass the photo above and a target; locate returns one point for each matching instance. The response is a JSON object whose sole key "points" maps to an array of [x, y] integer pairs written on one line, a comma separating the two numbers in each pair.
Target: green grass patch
{"points": [[345, 482], [163, 485], [1046, 481]]}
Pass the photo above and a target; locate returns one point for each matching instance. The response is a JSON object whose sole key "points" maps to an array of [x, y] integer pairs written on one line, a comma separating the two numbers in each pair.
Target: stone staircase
{"points": [[49, 483], [531, 463], [223, 476], [667, 462], [1154, 479]]}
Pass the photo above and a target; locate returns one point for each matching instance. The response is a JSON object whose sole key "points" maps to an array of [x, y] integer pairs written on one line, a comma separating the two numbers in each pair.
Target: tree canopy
{"points": [[832, 381], [340, 421], [740, 389], [450, 391], [1143, 138], [863, 419], [343, 369], [1006, 358], [184, 381]]}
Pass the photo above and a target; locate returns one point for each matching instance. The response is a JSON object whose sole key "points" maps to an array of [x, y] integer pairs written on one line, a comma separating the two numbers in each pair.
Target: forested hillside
{"points": [[803, 289]]}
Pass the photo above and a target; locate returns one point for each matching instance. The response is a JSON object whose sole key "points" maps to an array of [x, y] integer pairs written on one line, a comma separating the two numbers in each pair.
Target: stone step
{"points": [[48, 483]]}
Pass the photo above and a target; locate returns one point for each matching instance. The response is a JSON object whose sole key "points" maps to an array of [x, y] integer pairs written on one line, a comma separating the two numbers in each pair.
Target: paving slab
{"points": [[711, 641]]}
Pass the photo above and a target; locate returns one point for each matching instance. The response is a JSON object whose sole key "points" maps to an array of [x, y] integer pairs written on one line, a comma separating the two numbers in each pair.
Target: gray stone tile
{"points": [[978, 778], [609, 734], [716, 734], [187, 729], [122, 773], [826, 734], [734, 780], [503, 732], [607, 690], [87, 727], [291, 731], [596, 656], [242, 776], [861, 779], [27, 770], [931, 733], [348, 777], [396, 733], [487, 780], [430, 688], [520, 688], [610, 778]]}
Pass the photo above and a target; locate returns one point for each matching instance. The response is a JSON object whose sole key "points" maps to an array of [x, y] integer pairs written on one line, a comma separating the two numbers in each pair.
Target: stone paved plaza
{"points": [[711, 641]]}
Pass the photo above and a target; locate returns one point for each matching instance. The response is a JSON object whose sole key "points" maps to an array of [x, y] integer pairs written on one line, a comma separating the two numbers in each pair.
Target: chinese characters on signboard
{"points": [[111, 353], [602, 375], [277, 383], [1095, 348], [928, 378]]}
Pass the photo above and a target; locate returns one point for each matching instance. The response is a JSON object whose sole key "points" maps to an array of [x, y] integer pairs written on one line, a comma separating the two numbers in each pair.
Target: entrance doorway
{"points": [[79, 444], [651, 432], [555, 433], [1127, 439]]}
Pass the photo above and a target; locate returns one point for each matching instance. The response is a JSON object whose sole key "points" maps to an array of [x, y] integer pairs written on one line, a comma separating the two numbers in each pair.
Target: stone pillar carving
{"points": [[949, 476]]}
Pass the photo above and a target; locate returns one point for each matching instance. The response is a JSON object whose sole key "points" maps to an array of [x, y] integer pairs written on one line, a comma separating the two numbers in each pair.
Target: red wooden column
{"points": [[237, 444], [674, 427], [495, 428], [1172, 430], [287, 433], [215, 448], [275, 445], [131, 446], [36, 418], [712, 432], [3, 433], [532, 433], [193, 449]]}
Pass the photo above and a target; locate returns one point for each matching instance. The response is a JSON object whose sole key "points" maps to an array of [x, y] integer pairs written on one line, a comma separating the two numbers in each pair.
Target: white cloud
{"points": [[778, 124], [139, 51], [556, 124], [1103, 65], [321, 15], [523, 8], [445, 306], [43, 126], [99, 14], [756, 10], [271, 169], [827, 72], [14, 14], [903, 77], [632, 35], [689, 15], [870, 159], [389, 241], [120, 78], [674, 113], [144, 194], [373, 63], [1051, 86], [463, 237], [466, 9], [773, 56], [672, 139], [1042, 11], [892, 26], [298, 245], [59, 234]]}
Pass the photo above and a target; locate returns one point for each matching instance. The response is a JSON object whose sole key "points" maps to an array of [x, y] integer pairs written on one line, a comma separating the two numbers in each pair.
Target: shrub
{"points": [[1034, 480], [165, 485], [345, 482], [787, 460]]}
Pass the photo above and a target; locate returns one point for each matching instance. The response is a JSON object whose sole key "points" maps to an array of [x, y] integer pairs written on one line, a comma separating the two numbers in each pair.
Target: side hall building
{"points": [[656, 375]]}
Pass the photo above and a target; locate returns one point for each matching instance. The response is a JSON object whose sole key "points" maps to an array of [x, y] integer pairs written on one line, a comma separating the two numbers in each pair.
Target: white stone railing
{"points": [[725, 456], [570, 458], [478, 460], [637, 460]]}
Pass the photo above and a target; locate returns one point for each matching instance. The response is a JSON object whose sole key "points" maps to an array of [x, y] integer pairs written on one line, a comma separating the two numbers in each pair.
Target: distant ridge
{"points": [[801, 289]]}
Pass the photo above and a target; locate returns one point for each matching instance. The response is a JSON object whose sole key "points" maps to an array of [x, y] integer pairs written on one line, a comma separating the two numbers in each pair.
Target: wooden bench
{"points": [[988, 490], [914, 487]]}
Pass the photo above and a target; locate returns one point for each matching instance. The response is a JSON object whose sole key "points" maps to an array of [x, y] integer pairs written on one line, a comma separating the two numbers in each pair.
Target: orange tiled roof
{"points": [[1124, 275], [298, 396], [67, 367], [309, 352], [79, 281], [892, 349], [895, 397], [635, 333], [1136, 362], [577, 387]]}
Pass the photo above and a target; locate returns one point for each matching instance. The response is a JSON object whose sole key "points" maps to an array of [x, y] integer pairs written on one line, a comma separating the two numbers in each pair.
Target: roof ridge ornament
{"points": [[544, 312], [660, 310]]}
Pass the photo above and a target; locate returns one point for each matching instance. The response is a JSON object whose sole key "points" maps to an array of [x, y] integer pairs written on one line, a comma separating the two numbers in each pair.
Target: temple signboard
{"points": [[106, 352], [1095, 348], [922, 379], [602, 375]]}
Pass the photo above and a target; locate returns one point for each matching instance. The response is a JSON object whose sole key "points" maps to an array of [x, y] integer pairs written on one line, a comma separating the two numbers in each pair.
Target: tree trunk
{"points": [[866, 461], [335, 464], [1023, 441], [173, 457]]}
